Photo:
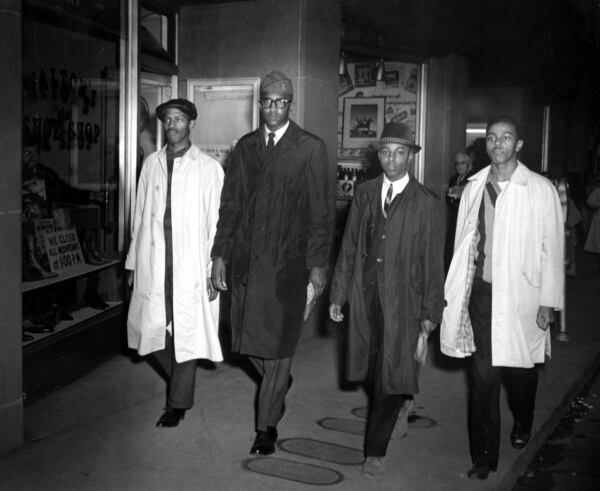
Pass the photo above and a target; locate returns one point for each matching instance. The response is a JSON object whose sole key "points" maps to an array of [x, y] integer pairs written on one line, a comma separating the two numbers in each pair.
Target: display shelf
{"points": [[80, 316], [74, 272]]}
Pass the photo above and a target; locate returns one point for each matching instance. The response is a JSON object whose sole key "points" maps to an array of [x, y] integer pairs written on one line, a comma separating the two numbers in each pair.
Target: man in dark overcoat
{"points": [[275, 232], [390, 270]]}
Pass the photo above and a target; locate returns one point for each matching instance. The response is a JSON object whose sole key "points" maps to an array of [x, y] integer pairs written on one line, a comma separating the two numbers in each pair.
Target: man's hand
{"points": [[217, 274], [130, 278], [318, 279], [212, 291], [427, 326], [335, 312], [545, 316]]}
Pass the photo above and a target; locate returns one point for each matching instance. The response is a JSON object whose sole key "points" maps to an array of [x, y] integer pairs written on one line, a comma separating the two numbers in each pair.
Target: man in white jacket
{"points": [[172, 313], [505, 280]]}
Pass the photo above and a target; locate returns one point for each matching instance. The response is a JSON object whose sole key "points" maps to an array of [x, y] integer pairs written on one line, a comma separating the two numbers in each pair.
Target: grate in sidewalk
{"points": [[293, 471], [316, 449], [351, 426]]}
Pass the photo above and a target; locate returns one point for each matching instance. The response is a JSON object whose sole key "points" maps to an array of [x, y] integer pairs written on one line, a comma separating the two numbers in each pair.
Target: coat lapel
{"points": [[374, 195]]}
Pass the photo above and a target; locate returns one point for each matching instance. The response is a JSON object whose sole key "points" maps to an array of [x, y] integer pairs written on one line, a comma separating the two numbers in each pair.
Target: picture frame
{"points": [[363, 121], [345, 84], [364, 75], [392, 78]]}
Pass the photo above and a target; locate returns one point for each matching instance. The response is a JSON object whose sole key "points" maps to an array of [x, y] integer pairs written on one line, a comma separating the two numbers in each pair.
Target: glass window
{"points": [[70, 164]]}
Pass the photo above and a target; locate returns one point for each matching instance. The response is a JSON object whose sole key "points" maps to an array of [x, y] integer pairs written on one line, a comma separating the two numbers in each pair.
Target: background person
{"points": [[456, 185]]}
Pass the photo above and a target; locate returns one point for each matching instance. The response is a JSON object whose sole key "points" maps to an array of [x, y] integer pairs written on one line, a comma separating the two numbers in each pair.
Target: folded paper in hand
{"points": [[311, 300], [421, 351]]}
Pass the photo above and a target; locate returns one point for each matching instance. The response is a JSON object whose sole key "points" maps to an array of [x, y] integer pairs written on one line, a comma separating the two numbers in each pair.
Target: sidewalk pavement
{"points": [[98, 433]]}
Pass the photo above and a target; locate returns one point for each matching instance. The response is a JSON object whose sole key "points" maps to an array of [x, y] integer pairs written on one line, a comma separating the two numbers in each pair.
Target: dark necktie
{"points": [[271, 142], [388, 201]]}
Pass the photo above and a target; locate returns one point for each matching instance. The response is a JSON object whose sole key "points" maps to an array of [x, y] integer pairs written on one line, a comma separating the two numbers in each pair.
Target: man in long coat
{"points": [[275, 233], [390, 271], [172, 313], [505, 279]]}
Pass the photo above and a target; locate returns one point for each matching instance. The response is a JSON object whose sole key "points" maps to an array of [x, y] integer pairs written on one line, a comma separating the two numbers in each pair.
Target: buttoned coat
{"points": [[527, 266], [275, 224], [413, 279], [195, 191]]}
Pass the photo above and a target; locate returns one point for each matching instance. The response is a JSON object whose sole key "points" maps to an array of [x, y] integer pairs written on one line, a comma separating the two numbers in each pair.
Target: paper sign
{"points": [[64, 251]]}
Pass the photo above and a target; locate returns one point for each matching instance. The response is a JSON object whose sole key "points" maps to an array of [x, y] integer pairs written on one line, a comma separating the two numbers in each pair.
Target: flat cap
{"points": [[183, 105], [277, 82]]}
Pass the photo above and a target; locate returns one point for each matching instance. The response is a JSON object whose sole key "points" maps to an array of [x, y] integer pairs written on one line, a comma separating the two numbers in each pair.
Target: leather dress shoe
{"points": [[480, 472], [264, 443], [519, 437], [171, 417]]}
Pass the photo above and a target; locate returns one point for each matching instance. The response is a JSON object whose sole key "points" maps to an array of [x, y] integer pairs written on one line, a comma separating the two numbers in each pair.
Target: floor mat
{"points": [[316, 449], [352, 426], [293, 471]]}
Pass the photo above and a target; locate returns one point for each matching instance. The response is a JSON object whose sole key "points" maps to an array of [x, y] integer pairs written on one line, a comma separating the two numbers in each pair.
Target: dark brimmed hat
{"points": [[277, 82], [183, 105], [398, 133]]}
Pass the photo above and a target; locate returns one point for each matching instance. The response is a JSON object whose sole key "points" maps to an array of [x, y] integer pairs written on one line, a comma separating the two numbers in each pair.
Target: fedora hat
{"points": [[398, 133]]}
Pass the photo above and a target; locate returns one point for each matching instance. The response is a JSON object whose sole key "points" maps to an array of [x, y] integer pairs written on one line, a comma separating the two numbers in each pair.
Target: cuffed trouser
{"points": [[274, 385], [182, 376], [520, 383], [383, 408]]}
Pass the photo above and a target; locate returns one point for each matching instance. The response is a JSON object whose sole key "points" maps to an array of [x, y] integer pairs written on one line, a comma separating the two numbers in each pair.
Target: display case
{"points": [[72, 223]]}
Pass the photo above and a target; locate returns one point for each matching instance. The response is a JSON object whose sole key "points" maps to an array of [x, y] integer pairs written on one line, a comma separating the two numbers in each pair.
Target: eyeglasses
{"points": [[268, 103]]}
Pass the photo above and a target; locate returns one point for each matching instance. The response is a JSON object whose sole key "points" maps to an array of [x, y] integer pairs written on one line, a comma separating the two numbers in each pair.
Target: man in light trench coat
{"points": [[505, 280], [172, 313]]}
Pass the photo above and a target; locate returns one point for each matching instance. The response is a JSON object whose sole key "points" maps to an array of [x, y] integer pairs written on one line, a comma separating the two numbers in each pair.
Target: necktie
{"points": [[388, 201], [271, 142]]}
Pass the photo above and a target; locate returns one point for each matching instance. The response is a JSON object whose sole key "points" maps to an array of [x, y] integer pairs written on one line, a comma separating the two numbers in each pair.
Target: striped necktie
{"points": [[388, 200]]}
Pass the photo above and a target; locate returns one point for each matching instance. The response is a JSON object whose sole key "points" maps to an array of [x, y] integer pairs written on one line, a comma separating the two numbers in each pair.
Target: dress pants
{"points": [[520, 383], [182, 376], [274, 385], [383, 408]]}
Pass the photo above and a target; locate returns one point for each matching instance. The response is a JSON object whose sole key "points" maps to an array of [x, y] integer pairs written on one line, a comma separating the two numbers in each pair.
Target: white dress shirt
{"points": [[278, 133], [398, 187]]}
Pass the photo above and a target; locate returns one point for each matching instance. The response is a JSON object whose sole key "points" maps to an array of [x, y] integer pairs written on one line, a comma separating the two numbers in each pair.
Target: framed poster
{"points": [[363, 121], [364, 75]]}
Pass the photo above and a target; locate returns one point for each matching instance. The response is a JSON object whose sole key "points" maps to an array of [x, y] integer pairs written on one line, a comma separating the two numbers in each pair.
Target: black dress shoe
{"points": [[171, 417], [479, 472], [519, 437], [264, 443]]}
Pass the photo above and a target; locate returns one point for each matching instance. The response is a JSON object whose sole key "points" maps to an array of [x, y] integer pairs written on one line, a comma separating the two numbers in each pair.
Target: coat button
{"points": [[383, 236], [379, 260]]}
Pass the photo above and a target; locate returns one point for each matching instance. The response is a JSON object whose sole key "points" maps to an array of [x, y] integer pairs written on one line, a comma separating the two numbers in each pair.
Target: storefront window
{"points": [[70, 163]]}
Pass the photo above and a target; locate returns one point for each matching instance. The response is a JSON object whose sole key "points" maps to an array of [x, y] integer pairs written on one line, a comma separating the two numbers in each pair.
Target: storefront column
{"points": [[11, 366]]}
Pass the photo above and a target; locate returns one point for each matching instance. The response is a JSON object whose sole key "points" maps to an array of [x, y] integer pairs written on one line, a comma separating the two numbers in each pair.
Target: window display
{"points": [[70, 164]]}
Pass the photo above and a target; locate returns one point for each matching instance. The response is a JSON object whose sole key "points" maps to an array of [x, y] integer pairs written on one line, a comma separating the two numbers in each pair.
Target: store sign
{"points": [[64, 250]]}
